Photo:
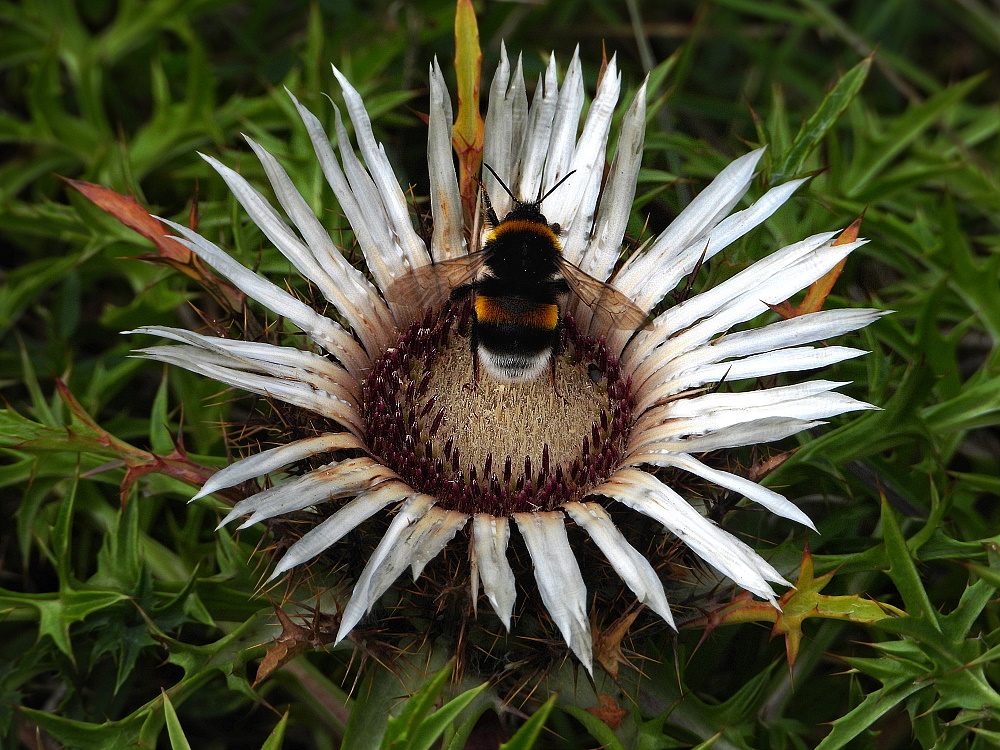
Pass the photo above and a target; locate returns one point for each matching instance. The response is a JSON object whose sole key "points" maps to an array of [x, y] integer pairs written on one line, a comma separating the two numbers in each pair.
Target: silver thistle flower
{"points": [[368, 379]]}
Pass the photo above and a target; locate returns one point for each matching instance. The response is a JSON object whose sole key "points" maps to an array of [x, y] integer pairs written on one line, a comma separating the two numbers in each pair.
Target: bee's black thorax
{"points": [[523, 246]]}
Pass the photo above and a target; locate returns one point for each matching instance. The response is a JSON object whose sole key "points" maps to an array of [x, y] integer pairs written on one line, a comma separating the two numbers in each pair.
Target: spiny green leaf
{"points": [[375, 696], [904, 573], [81, 735], [986, 734], [525, 737], [277, 736], [815, 128], [978, 406], [402, 728], [178, 741], [119, 561], [434, 726], [875, 705], [907, 128], [234, 648], [960, 620], [894, 666], [597, 729], [56, 612], [416, 727]]}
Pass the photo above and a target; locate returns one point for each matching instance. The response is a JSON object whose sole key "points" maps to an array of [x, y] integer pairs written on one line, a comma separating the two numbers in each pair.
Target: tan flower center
{"points": [[498, 448]]}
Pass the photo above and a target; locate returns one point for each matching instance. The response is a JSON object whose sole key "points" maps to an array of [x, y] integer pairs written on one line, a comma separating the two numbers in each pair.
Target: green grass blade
{"points": [[527, 735], [816, 127], [178, 741]]}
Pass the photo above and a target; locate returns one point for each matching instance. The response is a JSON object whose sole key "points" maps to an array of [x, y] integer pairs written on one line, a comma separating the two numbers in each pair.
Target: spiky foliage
{"points": [[105, 603]]}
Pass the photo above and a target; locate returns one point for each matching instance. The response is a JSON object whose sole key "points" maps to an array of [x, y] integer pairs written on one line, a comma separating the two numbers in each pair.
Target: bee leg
{"points": [[474, 349], [556, 351], [475, 371], [491, 215], [460, 293], [552, 377]]}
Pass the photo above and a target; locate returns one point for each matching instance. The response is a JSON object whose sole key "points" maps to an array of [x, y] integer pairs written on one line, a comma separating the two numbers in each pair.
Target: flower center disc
{"points": [[492, 447]]}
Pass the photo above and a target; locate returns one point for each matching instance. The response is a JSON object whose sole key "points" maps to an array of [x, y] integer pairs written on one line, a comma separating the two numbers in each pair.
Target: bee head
{"points": [[526, 212], [522, 211]]}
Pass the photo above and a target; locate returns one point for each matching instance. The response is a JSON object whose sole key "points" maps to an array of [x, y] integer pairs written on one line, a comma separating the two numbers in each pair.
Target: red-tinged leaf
{"points": [[797, 605], [171, 253], [193, 212], [221, 290], [87, 436], [820, 290], [128, 211], [467, 133], [83, 427], [609, 711], [604, 64], [784, 309], [175, 465]]}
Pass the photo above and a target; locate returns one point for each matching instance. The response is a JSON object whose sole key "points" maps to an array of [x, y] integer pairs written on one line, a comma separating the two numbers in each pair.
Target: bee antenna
{"points": [[552, 189], [497, 177]]}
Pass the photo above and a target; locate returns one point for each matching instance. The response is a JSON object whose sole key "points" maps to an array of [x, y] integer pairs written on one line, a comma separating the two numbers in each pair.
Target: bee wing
{"points": [[430, 285], [618, 310]]}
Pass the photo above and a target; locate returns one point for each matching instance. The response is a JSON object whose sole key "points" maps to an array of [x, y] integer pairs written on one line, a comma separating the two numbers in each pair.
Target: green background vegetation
{"points": [[103, 606]]}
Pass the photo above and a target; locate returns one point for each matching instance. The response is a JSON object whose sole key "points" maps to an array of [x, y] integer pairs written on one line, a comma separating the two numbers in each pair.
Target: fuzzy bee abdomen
{"points": [[515, 338], [516, 312]]}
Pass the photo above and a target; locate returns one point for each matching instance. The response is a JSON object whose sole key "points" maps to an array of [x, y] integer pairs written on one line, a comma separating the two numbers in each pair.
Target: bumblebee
{"points": [[519, 282]]}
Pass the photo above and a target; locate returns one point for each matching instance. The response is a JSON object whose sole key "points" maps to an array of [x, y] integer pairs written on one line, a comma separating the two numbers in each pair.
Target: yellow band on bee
{"points": [[544, 316], [523, 225]]}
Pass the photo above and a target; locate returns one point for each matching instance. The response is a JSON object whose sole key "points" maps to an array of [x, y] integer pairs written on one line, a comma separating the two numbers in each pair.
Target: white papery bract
{"points": [[674, 363]]}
